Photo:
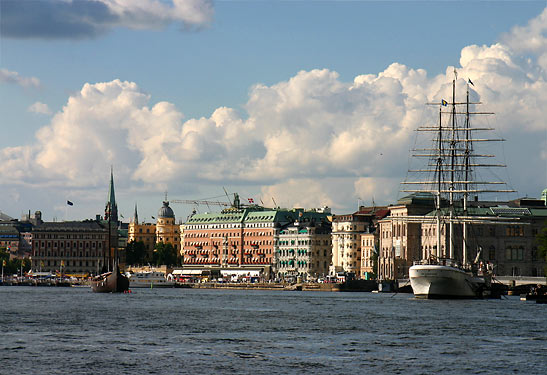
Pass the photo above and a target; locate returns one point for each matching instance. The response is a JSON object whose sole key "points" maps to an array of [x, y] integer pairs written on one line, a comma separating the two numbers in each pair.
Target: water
{"points": [[197, 331]]}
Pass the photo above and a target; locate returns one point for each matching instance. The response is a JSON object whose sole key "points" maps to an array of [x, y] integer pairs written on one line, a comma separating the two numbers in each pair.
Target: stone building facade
{"points": [[346, 238], [164, 230], [238, 237], [400, 237], [71, 247], [303, 251]]}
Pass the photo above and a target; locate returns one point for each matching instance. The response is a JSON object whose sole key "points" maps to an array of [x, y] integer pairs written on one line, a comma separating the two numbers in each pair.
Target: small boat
{"points": [[149, 279], [110, 282]]}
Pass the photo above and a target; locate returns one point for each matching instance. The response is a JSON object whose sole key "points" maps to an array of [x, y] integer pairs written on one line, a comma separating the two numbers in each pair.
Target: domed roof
{"points": [[166, 211]]}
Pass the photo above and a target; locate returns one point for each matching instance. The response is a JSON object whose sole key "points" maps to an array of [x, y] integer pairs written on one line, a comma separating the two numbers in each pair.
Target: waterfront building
{"points": [[9, 239], [15, 235], [511, 249], [400, 238], [71, 247], [347, 230], [303, 250], [164, 230], [242, 237], [368, 251], [142, 232]]}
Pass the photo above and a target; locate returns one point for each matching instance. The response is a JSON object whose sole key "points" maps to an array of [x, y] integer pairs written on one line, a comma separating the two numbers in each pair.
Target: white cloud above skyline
{"points": [[311, 140]]}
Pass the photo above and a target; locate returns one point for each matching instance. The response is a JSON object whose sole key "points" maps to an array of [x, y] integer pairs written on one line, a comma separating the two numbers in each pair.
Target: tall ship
{"points": [[450, 268], [111, 280]]}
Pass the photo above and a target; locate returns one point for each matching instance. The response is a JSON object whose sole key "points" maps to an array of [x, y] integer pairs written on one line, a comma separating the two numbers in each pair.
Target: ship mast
{"points": [[452, 167], [453, 161]]}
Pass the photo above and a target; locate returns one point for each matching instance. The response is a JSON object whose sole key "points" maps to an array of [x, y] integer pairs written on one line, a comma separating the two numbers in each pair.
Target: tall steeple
{"points": [[136, 215], [111, 209]]}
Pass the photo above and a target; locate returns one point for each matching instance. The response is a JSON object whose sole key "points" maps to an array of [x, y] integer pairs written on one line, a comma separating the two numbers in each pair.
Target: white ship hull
{"points": [[149, 280], [438, 281]]}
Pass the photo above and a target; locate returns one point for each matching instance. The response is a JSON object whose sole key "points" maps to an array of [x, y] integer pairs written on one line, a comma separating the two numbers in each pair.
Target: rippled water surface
{"points": [[197, 331]]}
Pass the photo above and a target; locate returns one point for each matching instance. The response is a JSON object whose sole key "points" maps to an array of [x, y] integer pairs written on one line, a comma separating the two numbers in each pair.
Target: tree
{"points": [[135, 253], [164, 254], [13, 266]]}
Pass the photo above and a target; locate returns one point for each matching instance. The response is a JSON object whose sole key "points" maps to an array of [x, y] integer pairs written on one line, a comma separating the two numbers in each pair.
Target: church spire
{"points": [[111, 209], [136, 215]]}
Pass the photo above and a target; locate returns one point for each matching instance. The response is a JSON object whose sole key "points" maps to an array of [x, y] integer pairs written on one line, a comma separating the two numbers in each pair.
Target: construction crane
{"points": [[207, 201], [197, 202]]}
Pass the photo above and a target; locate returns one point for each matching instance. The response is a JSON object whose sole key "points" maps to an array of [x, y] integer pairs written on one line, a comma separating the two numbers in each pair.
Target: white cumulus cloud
{"points": [[310, 140]]}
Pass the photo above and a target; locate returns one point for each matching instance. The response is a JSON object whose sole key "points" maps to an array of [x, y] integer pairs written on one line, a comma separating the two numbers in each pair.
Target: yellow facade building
{"points": [[164, 230]]}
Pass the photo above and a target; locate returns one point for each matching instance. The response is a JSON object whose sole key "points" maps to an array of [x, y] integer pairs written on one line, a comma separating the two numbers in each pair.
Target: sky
{"points": [[305, 103]]}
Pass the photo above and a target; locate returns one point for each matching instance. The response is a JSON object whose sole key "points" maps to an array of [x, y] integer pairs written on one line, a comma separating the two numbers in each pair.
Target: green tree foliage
{"points": [[13, 266], [164, 254], [135, 253], [374, 258]]}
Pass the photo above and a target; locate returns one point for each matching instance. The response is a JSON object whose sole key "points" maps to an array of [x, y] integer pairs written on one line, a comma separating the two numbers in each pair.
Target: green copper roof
{"points": [[254, 215]]}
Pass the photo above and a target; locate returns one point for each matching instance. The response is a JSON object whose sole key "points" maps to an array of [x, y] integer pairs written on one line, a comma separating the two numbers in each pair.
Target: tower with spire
{"points": [[136, 215], [111, 221], [111, 209]]}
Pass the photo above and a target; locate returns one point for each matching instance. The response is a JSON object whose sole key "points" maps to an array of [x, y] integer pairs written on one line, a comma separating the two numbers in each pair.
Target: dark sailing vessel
{"points": [[110, 282], [113, 281]]}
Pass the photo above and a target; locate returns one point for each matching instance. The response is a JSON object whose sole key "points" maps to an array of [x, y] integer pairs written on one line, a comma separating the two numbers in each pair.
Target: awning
{"points": [[186, 272]]}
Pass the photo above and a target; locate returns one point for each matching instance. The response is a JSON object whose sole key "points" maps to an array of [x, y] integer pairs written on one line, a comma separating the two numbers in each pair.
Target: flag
{"points": [[444, 102], [251, 200], [69, 203], [4, 263], [469, 80]]}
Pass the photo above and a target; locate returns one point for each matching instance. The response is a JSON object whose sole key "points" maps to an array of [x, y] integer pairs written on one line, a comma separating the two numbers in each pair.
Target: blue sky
{"points": [[198, 64]]}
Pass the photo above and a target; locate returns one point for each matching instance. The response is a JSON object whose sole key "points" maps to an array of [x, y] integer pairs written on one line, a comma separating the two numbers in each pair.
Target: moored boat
{"points": [[149, 279], [110, 282], [445, 281]]}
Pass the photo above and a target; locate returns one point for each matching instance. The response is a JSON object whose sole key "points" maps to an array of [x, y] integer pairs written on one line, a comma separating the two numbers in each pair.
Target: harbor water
{"points": [[212, 331]]}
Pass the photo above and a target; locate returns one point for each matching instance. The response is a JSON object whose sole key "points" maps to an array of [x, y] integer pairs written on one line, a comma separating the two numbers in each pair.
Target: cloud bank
{"points": [[314, 138], [79, 19]]}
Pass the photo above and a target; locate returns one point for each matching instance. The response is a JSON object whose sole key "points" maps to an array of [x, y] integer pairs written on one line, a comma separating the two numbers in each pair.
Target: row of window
{"points": [[75, 244], [67, 254], [44, 236]]}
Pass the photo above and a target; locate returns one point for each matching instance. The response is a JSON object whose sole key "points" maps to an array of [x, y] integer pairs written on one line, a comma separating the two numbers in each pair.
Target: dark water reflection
{"points": [[74, 331]]}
